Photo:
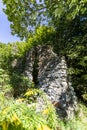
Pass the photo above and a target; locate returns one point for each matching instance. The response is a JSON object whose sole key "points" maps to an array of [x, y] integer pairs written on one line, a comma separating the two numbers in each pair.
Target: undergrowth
{"points": [[22, 115]]}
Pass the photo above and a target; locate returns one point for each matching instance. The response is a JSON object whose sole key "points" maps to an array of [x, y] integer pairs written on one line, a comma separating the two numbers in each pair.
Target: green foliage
{"points": [[44, 34], [6, 90], [5, 86], [68, 9], [5, 56], [20, 84], [20, 117], [26, 15], [77, 62], [41, 36], [23, 116], [23, 15]]}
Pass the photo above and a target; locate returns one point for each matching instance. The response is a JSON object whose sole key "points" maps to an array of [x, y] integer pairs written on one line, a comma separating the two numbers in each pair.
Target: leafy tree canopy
{"points": [[25, 15]]}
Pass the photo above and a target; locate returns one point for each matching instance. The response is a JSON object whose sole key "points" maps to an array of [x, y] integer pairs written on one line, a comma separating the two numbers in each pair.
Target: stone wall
{"points": [[29, 64], [53, 79]]}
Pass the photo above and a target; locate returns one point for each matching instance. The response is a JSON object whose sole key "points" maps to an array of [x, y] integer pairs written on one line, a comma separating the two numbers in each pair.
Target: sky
{"points": [[5, 31]]}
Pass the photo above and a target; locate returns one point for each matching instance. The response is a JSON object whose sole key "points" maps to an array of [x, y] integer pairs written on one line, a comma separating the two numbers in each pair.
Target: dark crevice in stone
{"points": [[35, 66]]}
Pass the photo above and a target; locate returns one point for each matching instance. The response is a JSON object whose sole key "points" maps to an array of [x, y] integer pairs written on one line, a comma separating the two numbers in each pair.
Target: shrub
{"points": [[24, 117]]}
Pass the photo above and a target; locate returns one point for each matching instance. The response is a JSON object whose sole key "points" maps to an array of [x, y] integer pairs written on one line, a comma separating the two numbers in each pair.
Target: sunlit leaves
{"points": [[69, 9], [22, 15]]}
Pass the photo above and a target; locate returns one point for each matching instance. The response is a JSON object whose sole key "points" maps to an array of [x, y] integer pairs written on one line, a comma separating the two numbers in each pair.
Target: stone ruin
{"points": [[52, 77]]}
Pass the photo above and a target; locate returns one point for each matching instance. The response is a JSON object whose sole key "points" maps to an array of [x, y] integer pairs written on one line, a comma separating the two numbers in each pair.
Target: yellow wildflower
{"points": [[43, 127], [29, 93], [5, 111], [46, 111], [20, 100], [5, 125], [16, 120]]}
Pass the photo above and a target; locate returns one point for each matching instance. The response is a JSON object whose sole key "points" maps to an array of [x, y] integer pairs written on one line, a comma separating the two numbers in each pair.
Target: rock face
{"points": [[29, 64], [53, 79]]}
